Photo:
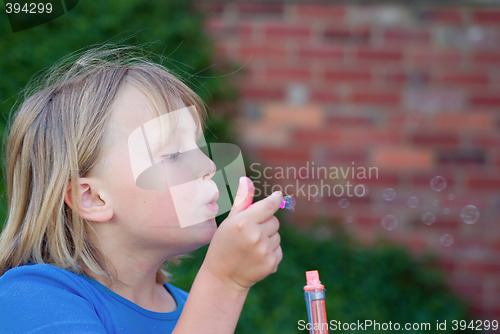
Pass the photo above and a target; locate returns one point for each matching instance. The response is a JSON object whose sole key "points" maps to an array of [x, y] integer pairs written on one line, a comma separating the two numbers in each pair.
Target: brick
{"points": [[436, 140], [462, 157], [434, 99], [347, 75], [447, 225], [259, 92], [366, 54], [482, 267], [320, 11], [402, 158], [221, 28], [261, 51], [486, 58], [491, 16], [284, 30], [398, 76], [372, 136], [462, 79], [308, 116], [384, 179], [423, 180], [320, 52], [325, 95], [259, 8], [342, 121], [445, 15], [485, 183], [485, 100], [262, 134], [464, 122], [287, 74], [317, 136], [350, 158], [430, 56], [343, 34], [487, 140], [404, 36], [380, 98], [283, 154]]}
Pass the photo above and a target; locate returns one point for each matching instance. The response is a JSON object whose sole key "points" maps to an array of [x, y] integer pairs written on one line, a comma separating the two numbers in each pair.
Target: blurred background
{"points": [[411, 91]]}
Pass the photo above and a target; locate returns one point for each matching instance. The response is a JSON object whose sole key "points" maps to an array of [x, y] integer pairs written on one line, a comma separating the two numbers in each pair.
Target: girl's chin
{"points": [[208, 227]]}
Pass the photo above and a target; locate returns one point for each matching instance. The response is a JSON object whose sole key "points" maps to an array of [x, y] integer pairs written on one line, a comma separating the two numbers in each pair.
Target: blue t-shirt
{"points": [[41, 298]]}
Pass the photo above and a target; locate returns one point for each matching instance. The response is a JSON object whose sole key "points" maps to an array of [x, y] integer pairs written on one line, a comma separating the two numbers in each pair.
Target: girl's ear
{"points": [[91, 205]]}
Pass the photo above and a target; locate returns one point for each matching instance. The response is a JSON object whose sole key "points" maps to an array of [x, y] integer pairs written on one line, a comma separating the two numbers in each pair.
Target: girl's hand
{"points": [[246, 246]]}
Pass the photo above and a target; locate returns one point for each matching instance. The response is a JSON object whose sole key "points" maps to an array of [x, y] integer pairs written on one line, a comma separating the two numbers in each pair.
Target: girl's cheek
{"points": [[187, 206]]}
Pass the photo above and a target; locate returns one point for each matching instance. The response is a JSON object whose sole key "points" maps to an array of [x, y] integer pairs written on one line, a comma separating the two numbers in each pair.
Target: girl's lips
{"points": [[212, 206], [214, 198]]}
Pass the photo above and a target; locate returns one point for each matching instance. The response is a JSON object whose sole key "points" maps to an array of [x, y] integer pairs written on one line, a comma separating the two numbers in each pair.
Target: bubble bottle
{"points": [[314, 293]]}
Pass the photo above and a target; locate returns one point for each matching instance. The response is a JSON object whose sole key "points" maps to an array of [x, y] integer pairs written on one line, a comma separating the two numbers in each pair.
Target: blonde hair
{"points": [[56, 137]]}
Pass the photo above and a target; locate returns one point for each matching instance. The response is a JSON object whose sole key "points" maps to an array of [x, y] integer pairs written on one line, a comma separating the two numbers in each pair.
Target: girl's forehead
{"points": [[134, 109]]}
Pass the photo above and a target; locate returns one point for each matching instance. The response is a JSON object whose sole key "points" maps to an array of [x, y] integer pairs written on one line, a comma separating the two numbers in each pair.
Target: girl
{"points": [[84, 243]]}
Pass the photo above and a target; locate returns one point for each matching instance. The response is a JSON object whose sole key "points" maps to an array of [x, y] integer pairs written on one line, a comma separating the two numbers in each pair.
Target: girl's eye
{"points": [[173, 156]]}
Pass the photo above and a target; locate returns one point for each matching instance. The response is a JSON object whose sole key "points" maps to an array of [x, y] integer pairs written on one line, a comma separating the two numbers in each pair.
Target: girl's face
{"points": [[156, 179]]}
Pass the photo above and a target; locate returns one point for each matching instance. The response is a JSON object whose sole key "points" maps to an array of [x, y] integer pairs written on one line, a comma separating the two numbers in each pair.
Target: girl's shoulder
{"points": [[38, 276], [42, 296]]}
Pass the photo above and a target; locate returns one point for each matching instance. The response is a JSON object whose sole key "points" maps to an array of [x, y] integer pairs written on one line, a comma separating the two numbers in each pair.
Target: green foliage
{"points": [[171, 29], [363, 283]]}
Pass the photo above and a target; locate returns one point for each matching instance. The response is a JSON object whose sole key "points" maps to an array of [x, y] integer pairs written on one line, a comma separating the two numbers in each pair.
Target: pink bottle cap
{"points": [[313, 282]]}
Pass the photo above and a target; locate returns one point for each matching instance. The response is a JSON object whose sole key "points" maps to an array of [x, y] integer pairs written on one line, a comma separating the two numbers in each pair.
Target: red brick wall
{"points": [[412, 91]]}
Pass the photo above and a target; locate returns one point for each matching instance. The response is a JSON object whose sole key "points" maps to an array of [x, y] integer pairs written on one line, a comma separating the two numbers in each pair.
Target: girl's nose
{"points": [[209, 170]]}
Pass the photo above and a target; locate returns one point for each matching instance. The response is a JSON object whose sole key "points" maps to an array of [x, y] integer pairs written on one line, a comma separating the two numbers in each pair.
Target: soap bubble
{"points": [[469, 214], [428, 218], [317, 198], [349, 219], [446, 240], [451, 197], [343, 203], [435, 202], [446, 211], [389, 194], [413, 202], [363, 190], [390, 222], [438, 183]]}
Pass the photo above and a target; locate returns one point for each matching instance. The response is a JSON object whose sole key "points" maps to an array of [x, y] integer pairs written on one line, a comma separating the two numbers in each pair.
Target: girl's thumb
{"points": [[244, 195]]}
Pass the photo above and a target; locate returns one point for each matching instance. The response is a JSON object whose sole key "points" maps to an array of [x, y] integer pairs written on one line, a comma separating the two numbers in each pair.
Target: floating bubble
{"points": [[389, 194], [363, 190], [343, 203], [390, 222], [317, 198], [413, 202], [438, 183], [435, 202], [446, 240], [469, 214], [446, 211], [349, 219], [451, 197], [428, 218]]}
